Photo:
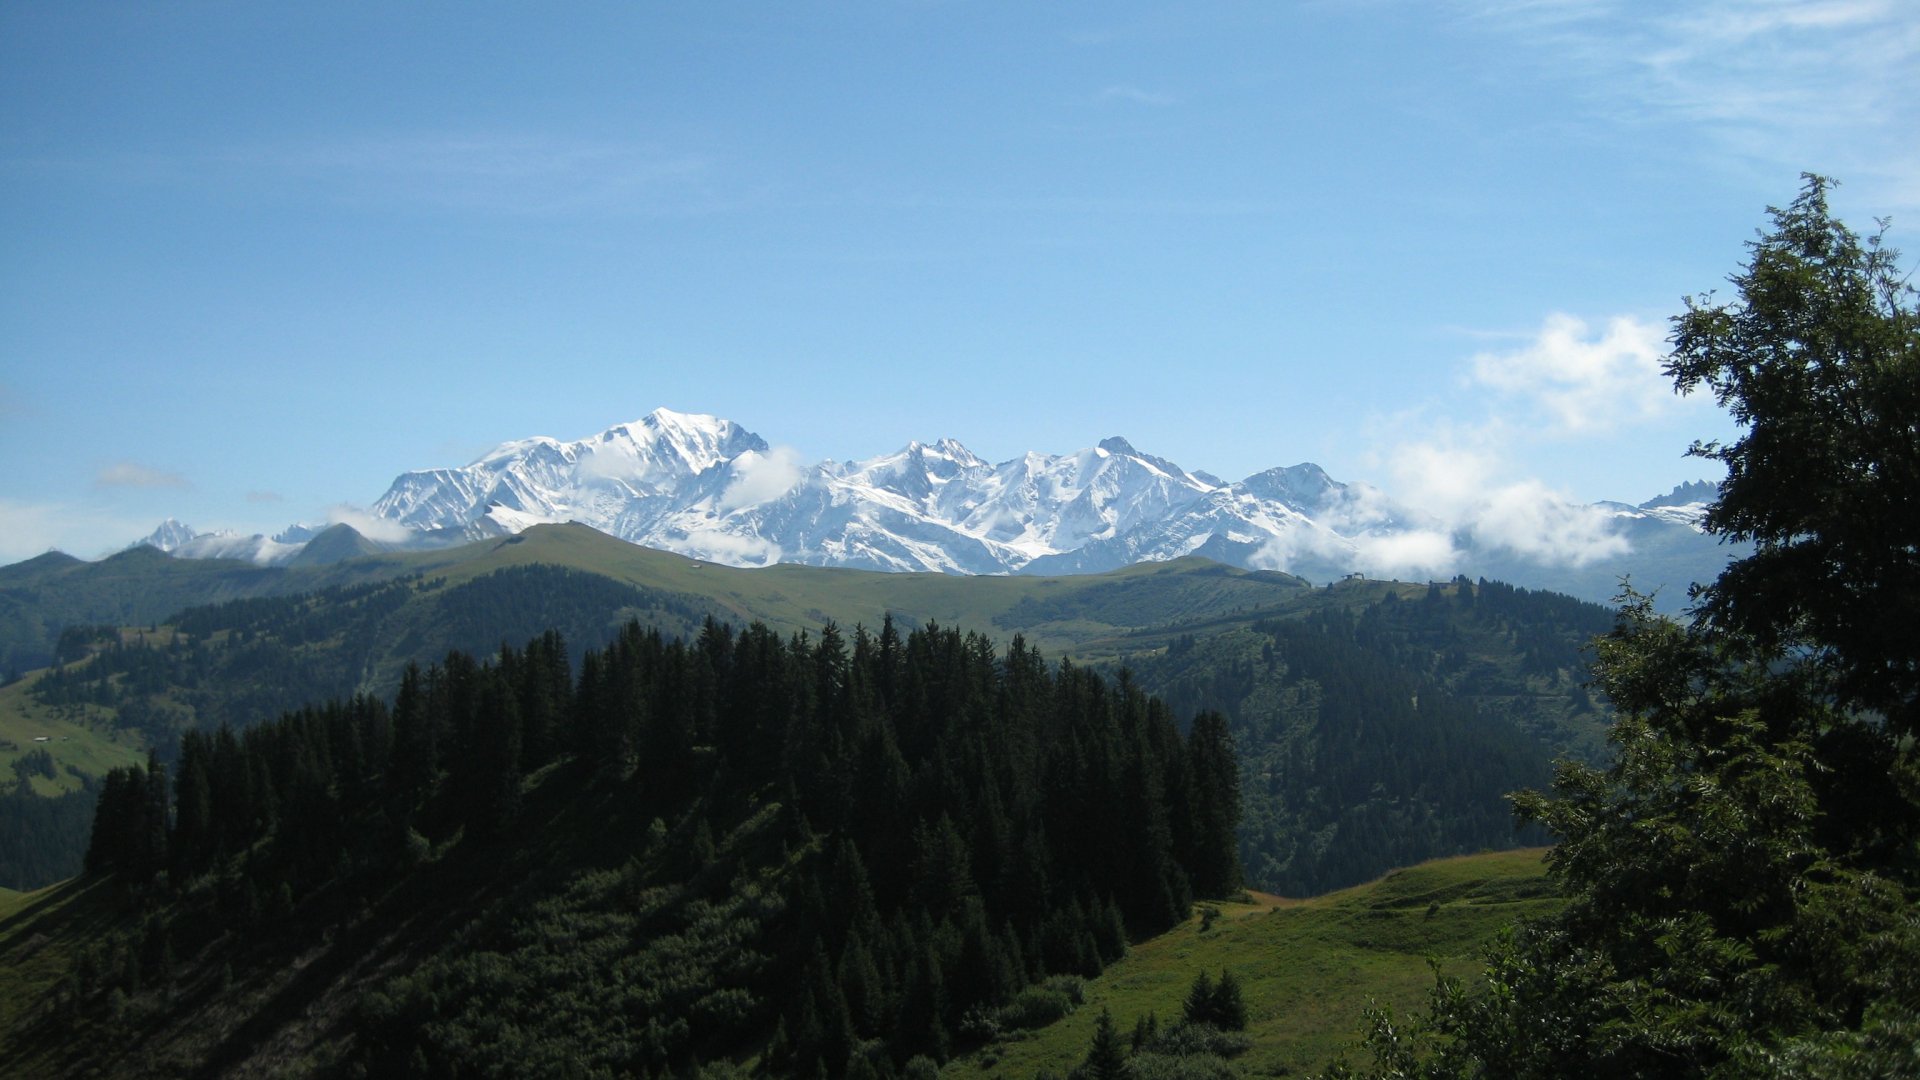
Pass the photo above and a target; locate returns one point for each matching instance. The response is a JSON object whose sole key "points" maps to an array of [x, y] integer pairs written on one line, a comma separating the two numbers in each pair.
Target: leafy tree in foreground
{"points": [[1820, 362], [1743, 879]]}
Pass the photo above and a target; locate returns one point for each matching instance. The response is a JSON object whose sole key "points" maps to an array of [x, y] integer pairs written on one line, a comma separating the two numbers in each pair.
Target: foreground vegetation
{"points": [[1744, 879]]}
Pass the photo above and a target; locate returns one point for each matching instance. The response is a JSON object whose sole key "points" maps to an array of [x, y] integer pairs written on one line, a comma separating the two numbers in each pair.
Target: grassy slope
{"points": [[1063, 615], [1060, 614], [1306, 967], [39, 933], [75, 736]]}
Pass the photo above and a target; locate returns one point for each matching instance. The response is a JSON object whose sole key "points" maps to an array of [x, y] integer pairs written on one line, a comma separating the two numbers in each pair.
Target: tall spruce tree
{"points": [[1215, 770], [1107, 1054]]}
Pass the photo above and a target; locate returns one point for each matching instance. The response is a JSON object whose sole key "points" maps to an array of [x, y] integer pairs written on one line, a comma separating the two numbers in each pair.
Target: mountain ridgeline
{"points": [[833, 852], [705, 487]]}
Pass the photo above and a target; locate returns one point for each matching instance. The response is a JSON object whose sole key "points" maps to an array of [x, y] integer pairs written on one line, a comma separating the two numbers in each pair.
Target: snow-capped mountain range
{"points": [[710, 489]]}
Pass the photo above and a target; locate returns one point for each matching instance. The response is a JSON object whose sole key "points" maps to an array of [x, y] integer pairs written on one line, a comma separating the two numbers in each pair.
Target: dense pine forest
{"points": [[238, 661], [829, 853]]}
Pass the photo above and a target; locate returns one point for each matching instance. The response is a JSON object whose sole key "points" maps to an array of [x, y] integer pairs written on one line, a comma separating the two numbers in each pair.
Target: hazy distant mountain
{"points": [[186, 542], [707, 487]]}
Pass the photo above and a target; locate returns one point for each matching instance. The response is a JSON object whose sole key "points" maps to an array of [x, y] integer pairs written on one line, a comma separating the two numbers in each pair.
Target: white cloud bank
{"points": [[1569, 382], [1586, 383], [378, 529], [759, 478], [1471, 500], [1422, 553]]}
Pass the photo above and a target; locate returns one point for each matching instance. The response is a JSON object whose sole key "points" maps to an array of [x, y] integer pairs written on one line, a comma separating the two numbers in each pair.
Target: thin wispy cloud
{"points": [[132, 474], [1831, 85], [499, 173], [1096, 206], [379, 529], [1134, 95], [510, 174]]}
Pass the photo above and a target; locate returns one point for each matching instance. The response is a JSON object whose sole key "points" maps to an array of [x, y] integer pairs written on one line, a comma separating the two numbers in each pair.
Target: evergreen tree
{"points": [[1200, 1003], [1214, 860], [493, 762], [1107, 1054], [155, 820], [1229, 1007], [193, 827]]}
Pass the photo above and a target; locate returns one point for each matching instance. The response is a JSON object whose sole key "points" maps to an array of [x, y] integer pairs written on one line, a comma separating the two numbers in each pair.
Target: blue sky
{"points": [[260, 258]]}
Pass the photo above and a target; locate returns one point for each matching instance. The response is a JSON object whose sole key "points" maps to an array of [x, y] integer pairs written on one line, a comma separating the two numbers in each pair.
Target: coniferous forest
{"points": [[829, 853], [1376, 736]]}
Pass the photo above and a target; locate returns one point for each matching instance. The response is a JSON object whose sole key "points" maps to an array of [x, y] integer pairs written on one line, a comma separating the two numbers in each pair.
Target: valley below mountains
{"points": [[629, 841], [651, 692], [1377, 722]]}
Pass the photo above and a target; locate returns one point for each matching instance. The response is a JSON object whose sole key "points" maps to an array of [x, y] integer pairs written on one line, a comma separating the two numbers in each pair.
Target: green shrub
{"points": [[1187, 1040], [1151, 1066], [1035, 1007], [1073, 986]]}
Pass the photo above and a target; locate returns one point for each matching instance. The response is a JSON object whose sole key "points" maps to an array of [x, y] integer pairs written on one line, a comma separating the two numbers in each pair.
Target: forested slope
{"points": [[821, 852], [1379, 733]]}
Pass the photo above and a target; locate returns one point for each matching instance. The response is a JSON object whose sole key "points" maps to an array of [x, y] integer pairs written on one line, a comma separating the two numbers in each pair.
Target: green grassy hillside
{"points": [[41, 933], [1306, 967], [75, 738], [1061, 615]]}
